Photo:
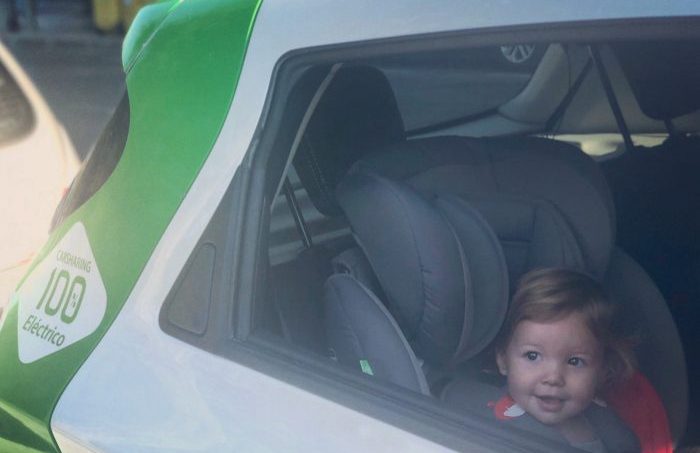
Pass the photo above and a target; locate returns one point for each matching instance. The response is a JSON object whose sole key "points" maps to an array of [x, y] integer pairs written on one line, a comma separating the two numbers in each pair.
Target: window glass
{"points": [[99, 164], [599, 145], [432, 88], [297, 284]]}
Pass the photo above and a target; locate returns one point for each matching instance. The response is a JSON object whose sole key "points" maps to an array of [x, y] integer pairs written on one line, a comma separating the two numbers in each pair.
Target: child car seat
{"points": [[547, 202]]}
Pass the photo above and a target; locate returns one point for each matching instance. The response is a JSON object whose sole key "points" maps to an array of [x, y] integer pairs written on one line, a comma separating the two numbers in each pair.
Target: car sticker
{"points": [[63, 301]]}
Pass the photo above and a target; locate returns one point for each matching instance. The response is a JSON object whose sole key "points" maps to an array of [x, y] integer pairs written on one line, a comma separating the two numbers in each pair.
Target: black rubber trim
{"points": [[99, 164]]}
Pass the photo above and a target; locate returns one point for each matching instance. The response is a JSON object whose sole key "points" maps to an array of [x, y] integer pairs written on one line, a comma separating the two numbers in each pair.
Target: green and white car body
{"points": [[86, 364]]}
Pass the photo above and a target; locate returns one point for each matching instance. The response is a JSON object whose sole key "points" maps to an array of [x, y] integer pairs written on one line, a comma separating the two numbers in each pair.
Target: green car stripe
{"points": [[183, 61]]}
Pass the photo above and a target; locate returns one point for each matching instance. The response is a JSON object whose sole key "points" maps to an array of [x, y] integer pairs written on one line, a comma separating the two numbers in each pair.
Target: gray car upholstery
{"points": [[662, 90], [546, 200], [357, 113], [491, 173], [437, 261], [359, 328], [659, 352], [480, 400]]}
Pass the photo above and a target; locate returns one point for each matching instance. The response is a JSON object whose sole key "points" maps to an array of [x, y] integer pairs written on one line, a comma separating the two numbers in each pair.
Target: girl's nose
{"points": [[553, 375]]}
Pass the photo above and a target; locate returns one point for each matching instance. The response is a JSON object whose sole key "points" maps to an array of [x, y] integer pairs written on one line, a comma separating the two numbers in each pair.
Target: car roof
{"points": [[366, 19]]}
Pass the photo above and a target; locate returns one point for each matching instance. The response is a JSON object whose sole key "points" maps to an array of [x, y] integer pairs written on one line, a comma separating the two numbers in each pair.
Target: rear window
{"points": [[98, 165], [435, 89]]}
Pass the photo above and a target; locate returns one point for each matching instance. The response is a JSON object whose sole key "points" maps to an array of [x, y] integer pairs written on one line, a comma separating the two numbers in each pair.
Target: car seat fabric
{"points": [[547, 201], [658, 227], [493, 403], [357, 113], [533, 234], [354, 262], [363, 335], [295, 290], [488, 270], [659, 352], [662, 90], [438, 262], [512, 183], [415, 256]]}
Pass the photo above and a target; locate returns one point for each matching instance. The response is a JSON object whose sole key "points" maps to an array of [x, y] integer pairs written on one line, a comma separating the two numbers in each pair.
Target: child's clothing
{"points": [[612, 434], [592, 446]]}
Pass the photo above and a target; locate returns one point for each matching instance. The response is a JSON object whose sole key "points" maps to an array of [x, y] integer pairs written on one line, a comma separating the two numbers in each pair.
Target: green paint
{"points": [[366, 368], [142, 30], [183, 61]]}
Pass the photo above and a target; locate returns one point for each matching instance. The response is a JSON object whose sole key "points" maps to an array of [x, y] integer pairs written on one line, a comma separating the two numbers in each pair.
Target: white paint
{"points": [[165, 395], [62, 301], [514, 411], [35, 170]]}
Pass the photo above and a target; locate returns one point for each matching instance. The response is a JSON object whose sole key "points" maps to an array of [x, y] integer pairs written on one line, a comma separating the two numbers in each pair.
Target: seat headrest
{"points": [[663, 75], [438, 262], [356, 113], [546, 200]]}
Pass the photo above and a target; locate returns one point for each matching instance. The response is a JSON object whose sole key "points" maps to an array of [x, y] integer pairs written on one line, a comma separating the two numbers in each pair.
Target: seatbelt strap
{"points": [[612, 99]]}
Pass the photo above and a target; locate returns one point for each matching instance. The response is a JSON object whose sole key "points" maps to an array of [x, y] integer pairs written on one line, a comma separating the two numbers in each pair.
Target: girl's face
{"points": [[553, 368]]}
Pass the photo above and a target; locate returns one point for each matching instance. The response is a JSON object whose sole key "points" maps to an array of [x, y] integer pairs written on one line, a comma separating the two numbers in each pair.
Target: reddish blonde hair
{"points": [[550, 294]]}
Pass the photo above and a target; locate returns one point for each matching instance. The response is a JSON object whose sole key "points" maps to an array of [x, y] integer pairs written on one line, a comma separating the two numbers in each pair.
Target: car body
{"points": [[137, 327], [38, 163]]}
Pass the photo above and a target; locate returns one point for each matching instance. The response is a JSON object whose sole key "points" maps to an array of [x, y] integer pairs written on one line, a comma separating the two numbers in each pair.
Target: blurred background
{"points": [[60, 81], [71, 50]]}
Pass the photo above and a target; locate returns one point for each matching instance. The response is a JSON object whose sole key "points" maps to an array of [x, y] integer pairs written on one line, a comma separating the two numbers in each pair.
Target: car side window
{"points": [[456, 89], [98, 165]]}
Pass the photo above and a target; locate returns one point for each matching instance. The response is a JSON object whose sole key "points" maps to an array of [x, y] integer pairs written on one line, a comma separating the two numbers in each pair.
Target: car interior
{"points": [[420, 186]]}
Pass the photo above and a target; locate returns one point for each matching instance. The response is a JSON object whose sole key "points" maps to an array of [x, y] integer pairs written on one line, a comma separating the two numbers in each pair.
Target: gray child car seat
{"points": [[546, 201]]}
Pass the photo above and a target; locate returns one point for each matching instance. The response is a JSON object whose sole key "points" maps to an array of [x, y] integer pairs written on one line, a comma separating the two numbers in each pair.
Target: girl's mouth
{"points": [[550, 403]]}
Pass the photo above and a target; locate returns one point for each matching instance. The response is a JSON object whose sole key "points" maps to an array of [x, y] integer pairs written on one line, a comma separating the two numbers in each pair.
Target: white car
{"points": [[37, 164], [301, 228]]}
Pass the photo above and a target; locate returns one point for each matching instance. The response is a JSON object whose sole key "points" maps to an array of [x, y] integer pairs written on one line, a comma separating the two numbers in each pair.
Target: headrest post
{"points": [[670, 127]]}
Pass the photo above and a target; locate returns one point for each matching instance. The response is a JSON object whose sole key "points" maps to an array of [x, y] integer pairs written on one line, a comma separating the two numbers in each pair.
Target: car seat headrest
{"points": [[356, 113], [662, 89], [547, 201], [438, 262]]}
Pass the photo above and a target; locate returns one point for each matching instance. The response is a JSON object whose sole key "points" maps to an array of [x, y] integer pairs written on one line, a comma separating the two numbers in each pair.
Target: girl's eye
{"points": [[576, 361], [531, 355]]}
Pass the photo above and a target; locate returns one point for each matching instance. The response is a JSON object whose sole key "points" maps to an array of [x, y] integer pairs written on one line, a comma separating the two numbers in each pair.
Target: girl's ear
{"points": [[501, 362]]}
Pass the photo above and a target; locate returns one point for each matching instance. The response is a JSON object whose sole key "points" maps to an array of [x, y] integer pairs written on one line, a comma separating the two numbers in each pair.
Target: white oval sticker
{"points": [[62, 301]]}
